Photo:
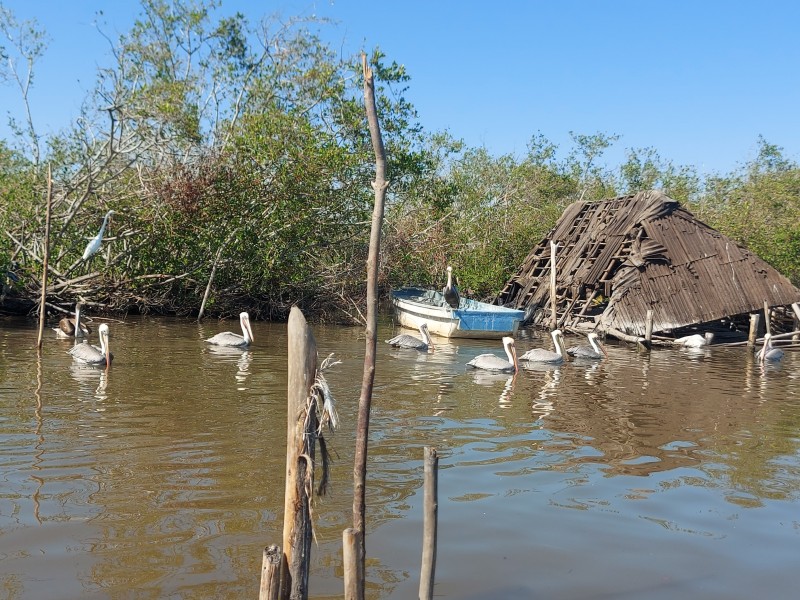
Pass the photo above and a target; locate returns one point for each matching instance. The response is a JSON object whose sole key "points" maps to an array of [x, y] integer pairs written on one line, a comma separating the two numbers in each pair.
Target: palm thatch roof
{"points": [[620, 258]]}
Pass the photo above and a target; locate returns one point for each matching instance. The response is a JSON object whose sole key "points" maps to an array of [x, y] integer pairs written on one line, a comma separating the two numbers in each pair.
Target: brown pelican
{"points": [[491, 362], [543, 356], [72, 326], [767, 352], [94, 355], [696, 340], [405, 340], [93, 246], [228, 338], [450, 292], [595, 350]]}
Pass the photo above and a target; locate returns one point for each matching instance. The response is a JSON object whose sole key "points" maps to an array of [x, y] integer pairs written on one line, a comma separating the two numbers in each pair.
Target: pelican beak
{"points": [[249, 330], [603, 348]]}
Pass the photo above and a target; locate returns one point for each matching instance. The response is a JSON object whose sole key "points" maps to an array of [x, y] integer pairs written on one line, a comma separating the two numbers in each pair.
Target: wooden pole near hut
{"points": [[46, 258], [753, 334], [430, 524], [648, 329], [371, 334], [553, 299], [796, 319], [300, 442]]}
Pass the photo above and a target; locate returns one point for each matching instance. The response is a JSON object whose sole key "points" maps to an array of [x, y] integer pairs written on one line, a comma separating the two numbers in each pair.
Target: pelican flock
{"points": [[492, 362], [93, 246], [544, 356], [450, 291], [94, 355], [72, 326], [595, 350], [234, 340], [405, 340]]}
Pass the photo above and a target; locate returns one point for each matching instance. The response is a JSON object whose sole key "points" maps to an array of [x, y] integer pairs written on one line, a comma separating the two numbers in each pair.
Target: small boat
{"points": [[472, 319]]}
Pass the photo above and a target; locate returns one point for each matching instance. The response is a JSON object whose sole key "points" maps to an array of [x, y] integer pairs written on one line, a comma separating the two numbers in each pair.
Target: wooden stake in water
{"points": [[648, 329], [430, 524], [753, 335], [300, 444], [270, 573], [353, 577], [46, 258]]}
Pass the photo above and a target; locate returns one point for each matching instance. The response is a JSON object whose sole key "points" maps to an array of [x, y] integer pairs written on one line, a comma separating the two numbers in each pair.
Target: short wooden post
{"points": [[270, 573], [300, 443], [351, 545], [796, 319], [553, 299], [648, 328], [430, 521], [46, 258], [753, 335], [767, 317]]}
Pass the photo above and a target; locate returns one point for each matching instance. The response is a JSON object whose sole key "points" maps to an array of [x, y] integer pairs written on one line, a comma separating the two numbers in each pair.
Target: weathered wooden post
{"points": [[796, 321], [430, 524], [553, 300], [648, 329], [300, 442], [46, 258], [753, 335], [353, 576], [270, 573]]}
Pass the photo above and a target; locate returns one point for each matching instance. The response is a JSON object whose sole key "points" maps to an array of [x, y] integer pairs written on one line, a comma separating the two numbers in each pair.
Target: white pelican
{"points": [[450, 292], [72, 326], [543, 356], [405, 340], [93, 246], [94, 355], [228, 338], [768, 353], [491, 362], [696, 340], [595, 350]]}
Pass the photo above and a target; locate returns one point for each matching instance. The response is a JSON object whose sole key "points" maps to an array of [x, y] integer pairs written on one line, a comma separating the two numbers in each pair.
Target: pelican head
{"points": [[247, 332], [511, 351], [102, 333], [598, 347], [426, 335]]}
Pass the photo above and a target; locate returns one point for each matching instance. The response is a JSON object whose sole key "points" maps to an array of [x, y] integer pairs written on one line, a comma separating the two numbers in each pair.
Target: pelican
{"points": [[93, 246], [491, 362], [450, 292], [595, 350], [228, 338], [405, 340], [767, 352], [94, 355], [72, 326], [543, 356], [696, 340]]}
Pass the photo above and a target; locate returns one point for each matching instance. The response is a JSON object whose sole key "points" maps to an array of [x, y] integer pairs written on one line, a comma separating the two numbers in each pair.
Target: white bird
{"points": [[72, 326], [450, 291], [491, 362], [544, 356], [405, 340], [93, 246], [696, 340], [94, 355], [768, 353], [228, 338], [595, 350]]}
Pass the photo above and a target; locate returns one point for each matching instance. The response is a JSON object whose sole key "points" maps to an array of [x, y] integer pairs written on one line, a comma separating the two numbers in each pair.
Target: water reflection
{"points": [[164, 474]]}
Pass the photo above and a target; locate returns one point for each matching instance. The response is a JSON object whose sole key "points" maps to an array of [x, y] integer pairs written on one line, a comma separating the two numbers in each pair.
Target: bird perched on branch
{"points": [[93, 246]]}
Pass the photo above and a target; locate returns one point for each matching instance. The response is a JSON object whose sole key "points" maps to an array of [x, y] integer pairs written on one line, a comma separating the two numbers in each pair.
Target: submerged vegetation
{"points": [[241, 149]]}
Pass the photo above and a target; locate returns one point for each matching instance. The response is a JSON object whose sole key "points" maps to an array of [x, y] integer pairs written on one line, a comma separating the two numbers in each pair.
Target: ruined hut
{"points": [[620, 258]]}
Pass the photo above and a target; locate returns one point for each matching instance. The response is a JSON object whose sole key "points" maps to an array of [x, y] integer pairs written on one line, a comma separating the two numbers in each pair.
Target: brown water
{"points": [[674, 474]]}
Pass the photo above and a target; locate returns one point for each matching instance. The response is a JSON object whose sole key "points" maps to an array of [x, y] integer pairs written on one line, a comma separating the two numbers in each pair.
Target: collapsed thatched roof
{"points": [[619, 258]]}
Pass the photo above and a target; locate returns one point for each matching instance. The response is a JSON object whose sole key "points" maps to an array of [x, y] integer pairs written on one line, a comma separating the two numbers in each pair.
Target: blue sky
{"points": [[699, 81]]}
